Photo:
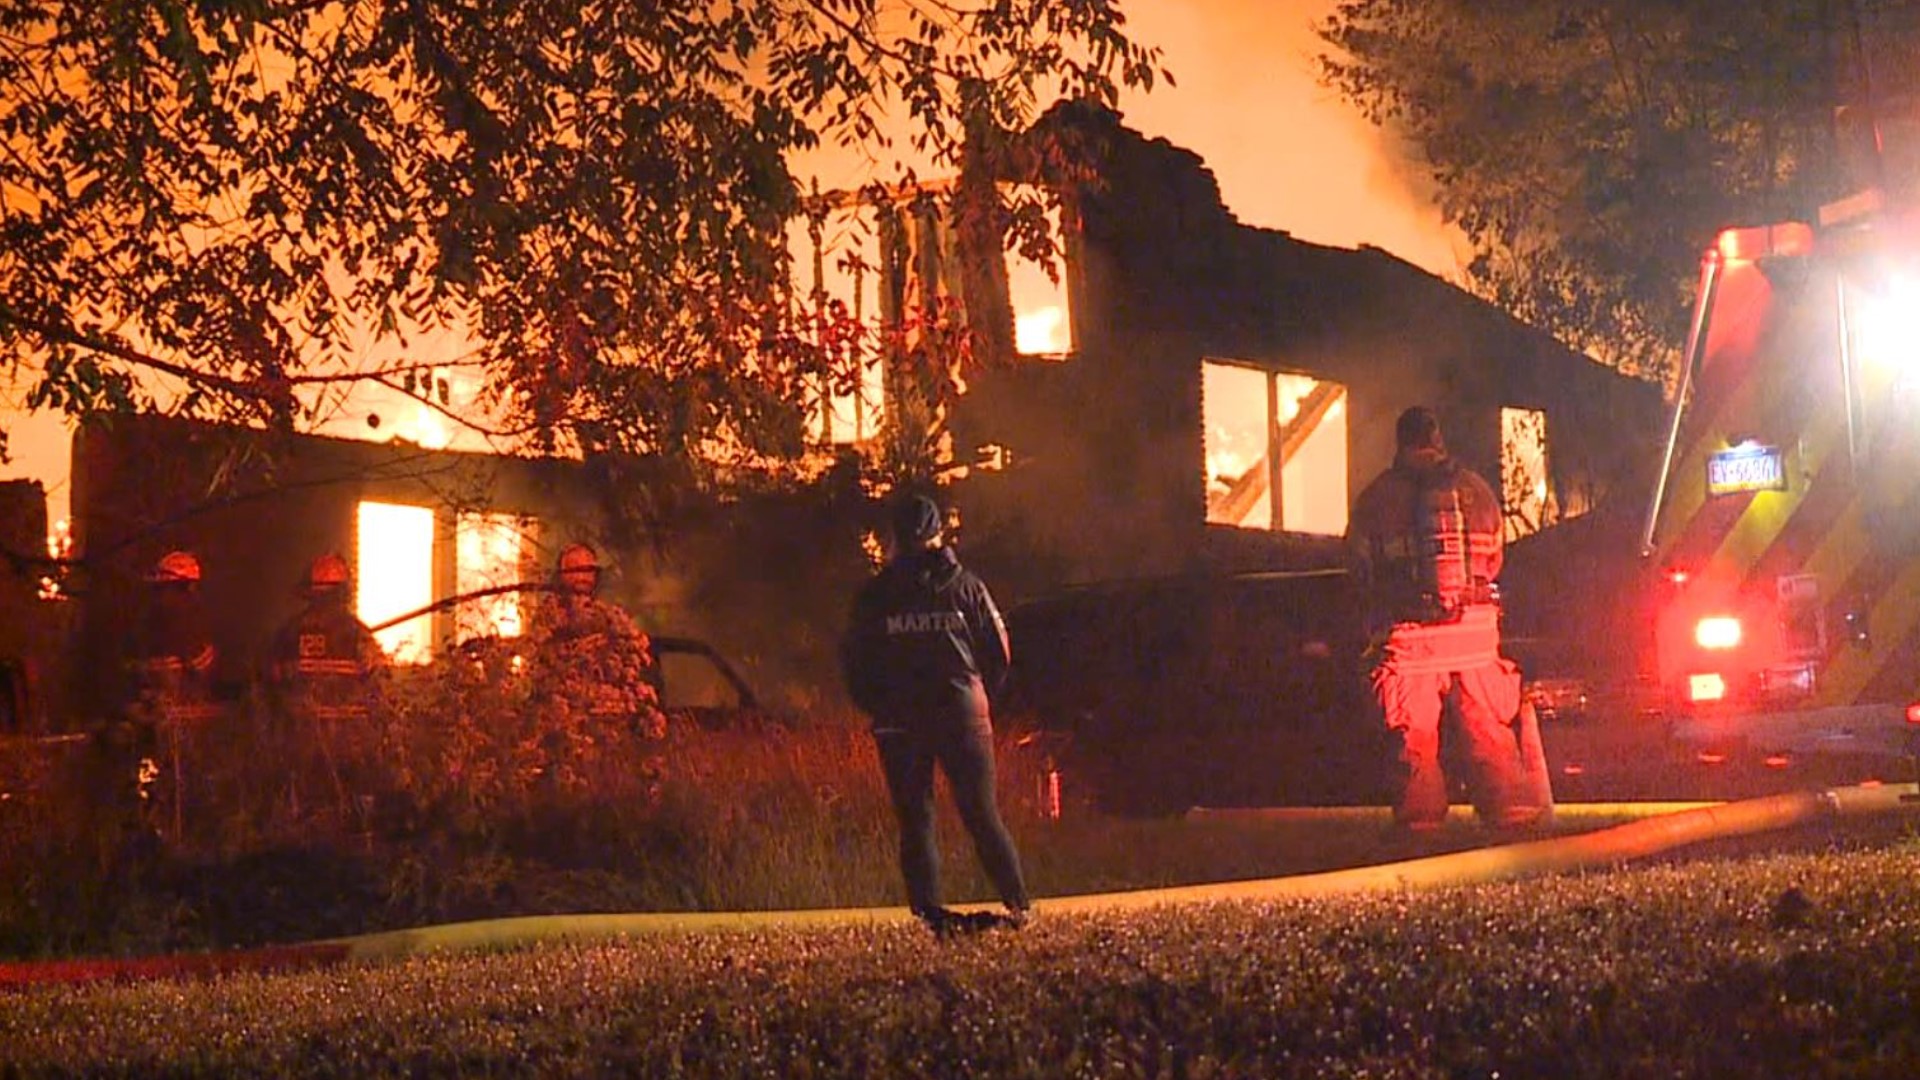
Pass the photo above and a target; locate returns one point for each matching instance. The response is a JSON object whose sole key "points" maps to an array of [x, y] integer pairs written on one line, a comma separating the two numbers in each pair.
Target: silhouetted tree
{"points": [[1590, 149]]}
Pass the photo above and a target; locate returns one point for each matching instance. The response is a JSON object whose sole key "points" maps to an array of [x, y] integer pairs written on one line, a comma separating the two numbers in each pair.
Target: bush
{"points": [[464, 797], [474, 753]]}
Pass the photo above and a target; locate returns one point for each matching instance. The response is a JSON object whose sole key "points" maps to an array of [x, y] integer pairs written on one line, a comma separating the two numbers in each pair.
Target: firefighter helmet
{"points": [[579, 569], [176, 567], [329, 571], [578, 558]]}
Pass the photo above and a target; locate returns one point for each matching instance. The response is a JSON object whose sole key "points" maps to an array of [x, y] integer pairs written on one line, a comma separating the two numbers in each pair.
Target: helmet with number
{"points": [[326, 573], [175, 568]]}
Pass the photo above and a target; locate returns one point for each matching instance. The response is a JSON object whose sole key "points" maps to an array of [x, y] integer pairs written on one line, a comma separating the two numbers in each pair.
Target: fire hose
{"points": [[1602, 848]]}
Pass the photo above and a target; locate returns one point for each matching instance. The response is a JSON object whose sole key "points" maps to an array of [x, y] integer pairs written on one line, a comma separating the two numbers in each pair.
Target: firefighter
{"points": [[323, 678], [1425, 544], [172, 655], [924, 651], [324, 660], [170, 662], [589, 653]]}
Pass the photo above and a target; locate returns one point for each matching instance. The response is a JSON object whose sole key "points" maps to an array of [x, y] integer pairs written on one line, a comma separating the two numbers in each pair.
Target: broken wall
{"points": [[1104, 475]]}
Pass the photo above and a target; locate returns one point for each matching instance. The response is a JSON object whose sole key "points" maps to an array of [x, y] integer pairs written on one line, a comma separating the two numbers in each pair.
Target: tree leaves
{"points": [[1590, 149], [241, 192]]}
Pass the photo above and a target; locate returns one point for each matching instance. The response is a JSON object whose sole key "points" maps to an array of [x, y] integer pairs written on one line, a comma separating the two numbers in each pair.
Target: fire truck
{"points": [[1783, 536]]}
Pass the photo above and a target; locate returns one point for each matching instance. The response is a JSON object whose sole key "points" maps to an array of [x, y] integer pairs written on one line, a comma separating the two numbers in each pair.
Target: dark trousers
{"points": [[964, 752]]}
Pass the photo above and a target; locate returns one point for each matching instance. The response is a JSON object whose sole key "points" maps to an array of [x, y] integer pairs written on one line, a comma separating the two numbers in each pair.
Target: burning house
{"points": [[437, 541], [1187, 393], [1229, 388]]}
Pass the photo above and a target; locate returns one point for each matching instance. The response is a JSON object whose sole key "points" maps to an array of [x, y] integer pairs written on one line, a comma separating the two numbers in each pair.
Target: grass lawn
{"points": [[1790, 955]]}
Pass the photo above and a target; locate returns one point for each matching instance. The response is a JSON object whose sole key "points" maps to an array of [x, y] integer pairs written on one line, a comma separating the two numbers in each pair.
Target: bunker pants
{"points": [[1426, 666]]}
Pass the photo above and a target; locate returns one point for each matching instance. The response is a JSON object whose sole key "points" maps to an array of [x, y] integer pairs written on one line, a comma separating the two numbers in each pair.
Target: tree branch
{"points": [[67, 335]]}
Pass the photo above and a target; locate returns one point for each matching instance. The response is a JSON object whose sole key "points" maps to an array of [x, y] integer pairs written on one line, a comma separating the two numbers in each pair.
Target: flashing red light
{"points": [[1913, 713], [1717, 632], [1574, 769], [1869, 782], [1709, 757], [1778, 761], [1677, 576]]}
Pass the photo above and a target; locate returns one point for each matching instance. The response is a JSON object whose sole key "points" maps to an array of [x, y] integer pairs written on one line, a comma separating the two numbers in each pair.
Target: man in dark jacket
{"points": [[925, 651]]}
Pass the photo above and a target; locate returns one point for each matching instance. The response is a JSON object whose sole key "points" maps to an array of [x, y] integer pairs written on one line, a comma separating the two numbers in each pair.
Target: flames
{"points": [[60, 549], [1041, 332], [396, 576], [1304, 429], [489, 550]]}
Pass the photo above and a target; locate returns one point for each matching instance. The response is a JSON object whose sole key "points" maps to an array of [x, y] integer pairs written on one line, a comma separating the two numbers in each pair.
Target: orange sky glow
{"points": [[1288, 153]]}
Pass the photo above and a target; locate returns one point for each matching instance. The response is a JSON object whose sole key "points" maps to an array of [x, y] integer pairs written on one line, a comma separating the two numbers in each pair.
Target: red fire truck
{"points": [[1784, 530]]}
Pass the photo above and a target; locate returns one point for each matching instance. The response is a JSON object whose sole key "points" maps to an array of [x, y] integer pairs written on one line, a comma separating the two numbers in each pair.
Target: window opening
{"points": [[396, 576], [491, 550], [1526, 492], [836, 255], [1274, 429], [1042, 320]]}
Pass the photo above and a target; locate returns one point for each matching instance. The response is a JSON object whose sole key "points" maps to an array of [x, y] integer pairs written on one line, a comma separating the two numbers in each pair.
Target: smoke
{"points": [[1287, 152]]}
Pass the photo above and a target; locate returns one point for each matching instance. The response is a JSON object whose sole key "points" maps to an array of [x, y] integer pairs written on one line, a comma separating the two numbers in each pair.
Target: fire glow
{"points": [[488, 551], [396, 576], [1041, 332]]}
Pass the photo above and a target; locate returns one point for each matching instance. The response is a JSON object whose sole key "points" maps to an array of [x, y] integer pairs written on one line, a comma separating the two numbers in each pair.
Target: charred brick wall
{"points": [[33, 631]]}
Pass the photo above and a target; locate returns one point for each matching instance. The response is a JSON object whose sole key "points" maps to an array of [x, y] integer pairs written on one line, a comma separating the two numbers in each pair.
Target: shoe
{"points": [[942, 921], [947, 923]]}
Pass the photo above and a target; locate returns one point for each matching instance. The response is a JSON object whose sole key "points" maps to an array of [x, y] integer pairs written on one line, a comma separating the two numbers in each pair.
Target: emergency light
{"points": [[1717, 632], [1887, 328]]}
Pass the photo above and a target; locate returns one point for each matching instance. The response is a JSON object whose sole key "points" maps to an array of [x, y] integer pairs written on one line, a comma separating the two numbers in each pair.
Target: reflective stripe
{"points": [[1405, 547], [1432, 648], [328, 667], [188, 712]]}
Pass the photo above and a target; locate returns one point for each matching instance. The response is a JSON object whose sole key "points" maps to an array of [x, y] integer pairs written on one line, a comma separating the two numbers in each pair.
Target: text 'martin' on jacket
{"points": [[925, 643]]}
